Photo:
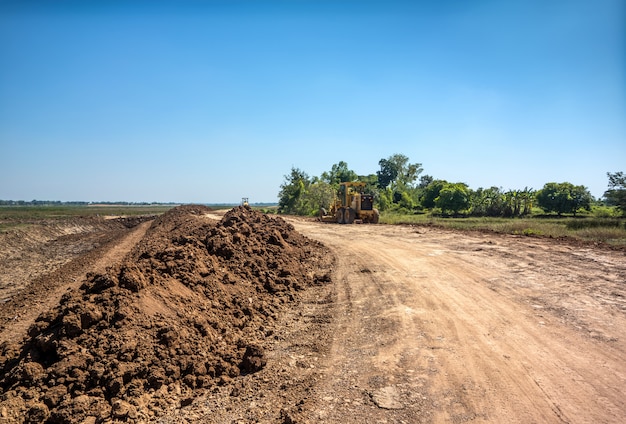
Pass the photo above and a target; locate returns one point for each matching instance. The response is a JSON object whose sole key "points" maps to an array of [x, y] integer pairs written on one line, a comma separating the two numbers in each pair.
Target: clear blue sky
{"points": [[212, 101]]}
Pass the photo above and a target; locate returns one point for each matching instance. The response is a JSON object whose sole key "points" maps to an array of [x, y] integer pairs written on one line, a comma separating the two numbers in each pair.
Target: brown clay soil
{"points": [[243, 318]]}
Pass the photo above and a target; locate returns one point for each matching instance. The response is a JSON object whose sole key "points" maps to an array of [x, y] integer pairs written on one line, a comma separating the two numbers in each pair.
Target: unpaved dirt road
{"points": [[437, 326]]}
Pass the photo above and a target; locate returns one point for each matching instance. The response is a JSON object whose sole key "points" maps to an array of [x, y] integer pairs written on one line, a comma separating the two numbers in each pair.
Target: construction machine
{"points": [[351, 205]]}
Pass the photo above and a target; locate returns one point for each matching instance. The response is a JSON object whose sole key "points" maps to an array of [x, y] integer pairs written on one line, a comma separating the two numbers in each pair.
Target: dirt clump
{"points": [[189, 308]]}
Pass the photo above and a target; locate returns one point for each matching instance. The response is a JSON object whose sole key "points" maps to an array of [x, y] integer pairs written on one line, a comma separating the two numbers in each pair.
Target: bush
{"points": [[604, 211]]}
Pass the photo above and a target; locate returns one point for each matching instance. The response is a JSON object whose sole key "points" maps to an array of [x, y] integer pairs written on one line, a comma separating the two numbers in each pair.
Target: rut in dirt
{"points": [[189, 308]]}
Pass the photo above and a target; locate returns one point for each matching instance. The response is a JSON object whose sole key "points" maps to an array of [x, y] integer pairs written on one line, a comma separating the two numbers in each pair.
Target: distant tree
{"points": [[431, 192], [453, 197], [487, 202], [552, 199], [320, 195], [368, 179], [387, 174], [494, 202], [581, 199], [371, 183], [396, 171], [409, 174], [291, 198], [528, 196], [339, 173], [563, 198], [512, 203], [425, 180], [404, 200], [385, 199], [616, 193]]}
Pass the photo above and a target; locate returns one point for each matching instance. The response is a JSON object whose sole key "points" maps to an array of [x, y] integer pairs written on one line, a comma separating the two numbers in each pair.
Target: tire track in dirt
{"points": [[433, 326], [22, 310]]}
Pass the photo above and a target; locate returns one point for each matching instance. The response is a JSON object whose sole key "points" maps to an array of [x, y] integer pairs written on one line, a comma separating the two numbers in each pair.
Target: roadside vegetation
{"points": [[404, 196], [587, 228]]}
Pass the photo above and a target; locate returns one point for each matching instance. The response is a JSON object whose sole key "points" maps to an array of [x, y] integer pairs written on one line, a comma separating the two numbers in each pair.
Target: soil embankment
{"points": [[188, 309]]}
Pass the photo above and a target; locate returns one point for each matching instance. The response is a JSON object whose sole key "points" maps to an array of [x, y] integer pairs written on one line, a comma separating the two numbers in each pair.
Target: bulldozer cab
{"points": [[367, 202]]}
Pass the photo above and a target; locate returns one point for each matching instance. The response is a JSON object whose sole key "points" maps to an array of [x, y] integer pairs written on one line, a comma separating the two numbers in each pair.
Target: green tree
{"points": [[396, 171], [581, 199], [528, 196], [616, 193], [552, 199], [387, 173], [320, 195], [425, 180], [512, 203], [563, 198], [405, 201], [487, 202], [339, 173], [292, 195], [371, 183], [431, 192], [453, 197], [385, 199]]}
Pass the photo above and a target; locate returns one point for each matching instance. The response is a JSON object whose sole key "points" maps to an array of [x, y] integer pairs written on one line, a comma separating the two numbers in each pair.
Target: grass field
{"points": [[606, 230], [62, 211], [14, 217]]}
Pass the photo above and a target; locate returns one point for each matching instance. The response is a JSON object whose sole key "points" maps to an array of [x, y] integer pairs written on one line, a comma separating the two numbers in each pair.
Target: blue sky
{"points": [[212, 101]]}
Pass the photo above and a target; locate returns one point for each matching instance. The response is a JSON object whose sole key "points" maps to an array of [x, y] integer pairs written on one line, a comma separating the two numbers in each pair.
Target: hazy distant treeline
{"points": [[74, 203]]}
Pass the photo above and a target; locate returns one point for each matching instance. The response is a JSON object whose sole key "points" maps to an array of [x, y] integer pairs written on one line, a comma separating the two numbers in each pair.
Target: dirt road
{"points": [[436, 326]]}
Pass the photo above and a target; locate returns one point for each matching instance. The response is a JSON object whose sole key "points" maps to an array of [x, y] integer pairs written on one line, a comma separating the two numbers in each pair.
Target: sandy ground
{"points": [[426, 325], [436, 326]]}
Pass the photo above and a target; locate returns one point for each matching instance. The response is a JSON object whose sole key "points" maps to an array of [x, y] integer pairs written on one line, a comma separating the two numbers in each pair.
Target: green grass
{"points": [[607, 230]]}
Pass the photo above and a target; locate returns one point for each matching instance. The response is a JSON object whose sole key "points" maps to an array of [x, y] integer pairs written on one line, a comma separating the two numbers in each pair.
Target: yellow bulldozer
{"points": [[351, 205]]}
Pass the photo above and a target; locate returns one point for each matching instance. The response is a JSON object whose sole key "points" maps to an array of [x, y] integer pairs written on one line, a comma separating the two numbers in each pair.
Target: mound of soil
{"points": [[189, 308]]}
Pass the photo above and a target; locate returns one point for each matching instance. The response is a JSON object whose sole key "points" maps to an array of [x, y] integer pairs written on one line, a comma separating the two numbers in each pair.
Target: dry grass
{"points": [[607, 230]]}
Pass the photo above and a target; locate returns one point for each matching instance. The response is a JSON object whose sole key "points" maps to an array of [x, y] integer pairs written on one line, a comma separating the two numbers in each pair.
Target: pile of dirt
{"points": [[189, 308]]}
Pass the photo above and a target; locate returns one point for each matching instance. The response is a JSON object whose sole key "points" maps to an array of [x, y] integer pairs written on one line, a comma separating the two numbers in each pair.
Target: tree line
{"points": [[399, 186]]}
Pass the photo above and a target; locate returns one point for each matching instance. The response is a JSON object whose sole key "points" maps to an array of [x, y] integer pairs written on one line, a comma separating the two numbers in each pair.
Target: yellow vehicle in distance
{"points": [[351, 205]]}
